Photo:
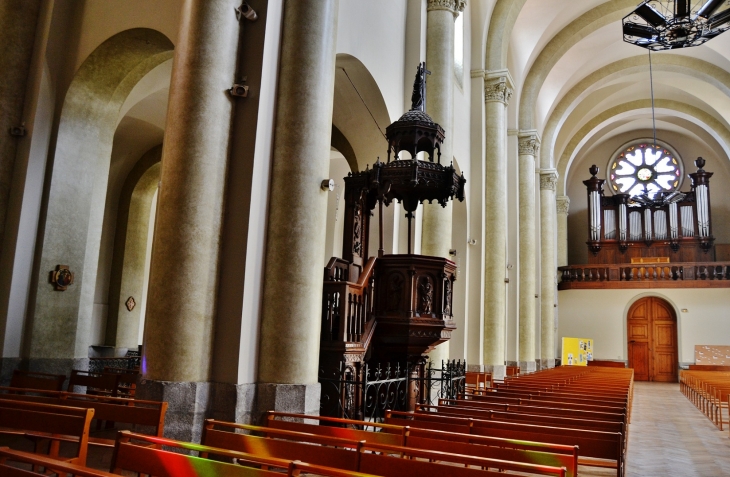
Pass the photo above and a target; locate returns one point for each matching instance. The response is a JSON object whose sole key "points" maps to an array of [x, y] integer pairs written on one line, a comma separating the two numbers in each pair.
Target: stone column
{"points": [[436, 234], [498, 90], [184, 268], [18, 21], [292, 301], [528, 147], [548, 288], [563, 206]]}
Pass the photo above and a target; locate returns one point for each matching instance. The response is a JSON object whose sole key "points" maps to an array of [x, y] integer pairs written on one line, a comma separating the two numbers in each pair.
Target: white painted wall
{"points": [[601, 315]]}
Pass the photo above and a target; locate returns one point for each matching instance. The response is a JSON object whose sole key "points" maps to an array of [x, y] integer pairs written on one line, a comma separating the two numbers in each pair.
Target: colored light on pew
{"points": [[189, 467], [144, 365]]}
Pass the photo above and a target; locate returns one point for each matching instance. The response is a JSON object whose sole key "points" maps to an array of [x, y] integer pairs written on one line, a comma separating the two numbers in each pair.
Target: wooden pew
{"points": [[446, 437], [541, 419], [135, 412], [131, 456], [48, 422], [609, 447], [127, 384], [10, 456], [709, 391], [31, 380], [95, 383], [338, 452]]}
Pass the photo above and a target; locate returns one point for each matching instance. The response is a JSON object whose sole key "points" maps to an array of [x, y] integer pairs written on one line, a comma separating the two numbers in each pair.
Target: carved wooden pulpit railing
{"points": [[393, 308]]}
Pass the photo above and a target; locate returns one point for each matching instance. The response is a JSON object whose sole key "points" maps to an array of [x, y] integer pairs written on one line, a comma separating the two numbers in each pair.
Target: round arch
{"points": [[359, 113], [130, 251], [59, 325], [568, 37], [628, 333], [709, 123], [696, 68], [502, 21]]}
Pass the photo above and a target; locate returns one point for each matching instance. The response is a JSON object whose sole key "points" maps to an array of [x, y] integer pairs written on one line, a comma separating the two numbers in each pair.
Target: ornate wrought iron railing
{"points": [[131, 362], [365, 392]]}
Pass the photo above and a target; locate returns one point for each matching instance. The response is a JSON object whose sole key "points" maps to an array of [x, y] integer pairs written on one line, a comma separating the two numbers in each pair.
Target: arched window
{"points": [[642, 167]]}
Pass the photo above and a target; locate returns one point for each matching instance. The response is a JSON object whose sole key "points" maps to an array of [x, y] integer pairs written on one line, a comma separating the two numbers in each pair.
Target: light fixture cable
{"points": [[651, 83]]}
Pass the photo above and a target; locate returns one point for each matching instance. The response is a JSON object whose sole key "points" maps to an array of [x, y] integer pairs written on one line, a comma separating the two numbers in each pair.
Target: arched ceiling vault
{"points": [[567, 38], [709, 123], [706, 72], [502, 21]]}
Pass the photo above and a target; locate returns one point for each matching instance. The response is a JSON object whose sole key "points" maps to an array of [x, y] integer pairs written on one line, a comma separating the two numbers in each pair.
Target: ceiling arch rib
{"points": [[568, 37], [503, 19], [703, 70], [708, 122]]}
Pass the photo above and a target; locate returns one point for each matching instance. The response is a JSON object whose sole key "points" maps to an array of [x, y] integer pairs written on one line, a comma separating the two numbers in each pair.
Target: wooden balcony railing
{"points": [[660, 275], [347, 306]]}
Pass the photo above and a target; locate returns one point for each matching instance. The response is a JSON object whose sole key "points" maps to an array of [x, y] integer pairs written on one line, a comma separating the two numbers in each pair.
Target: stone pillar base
{"points": [[296, 398], [527, 367], [187, 405], [499, 371], [7, 366], [545, 363], [475, 368]]}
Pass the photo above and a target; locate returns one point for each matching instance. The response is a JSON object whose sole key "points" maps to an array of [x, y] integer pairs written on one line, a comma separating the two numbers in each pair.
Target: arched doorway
{"points": [[652, 340]]}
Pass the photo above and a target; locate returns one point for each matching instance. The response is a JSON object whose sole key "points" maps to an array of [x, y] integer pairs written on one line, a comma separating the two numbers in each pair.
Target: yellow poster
{"points": [[577, 351]]}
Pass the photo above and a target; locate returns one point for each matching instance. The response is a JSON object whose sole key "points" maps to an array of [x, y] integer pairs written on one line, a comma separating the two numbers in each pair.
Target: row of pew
{"points": [[709, 390], [117, 382], [483, 433]]}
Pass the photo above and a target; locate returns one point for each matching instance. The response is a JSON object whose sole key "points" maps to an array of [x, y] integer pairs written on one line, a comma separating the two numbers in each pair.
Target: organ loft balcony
{"points": [[659, 239]]}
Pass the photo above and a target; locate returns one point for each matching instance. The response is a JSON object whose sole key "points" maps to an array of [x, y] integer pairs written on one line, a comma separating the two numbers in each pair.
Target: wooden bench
{"points": [[133, 454], [32, 380], [136, 412], [10, 456], [455, 440], [95, 383], [593, 445], [709, 391], [42, 422], [338, 452], [127, 385]]}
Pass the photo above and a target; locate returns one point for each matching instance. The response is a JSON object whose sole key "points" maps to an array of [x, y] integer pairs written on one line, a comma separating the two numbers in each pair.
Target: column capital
{"points": [[453, 6], [528, 142], [548, 179], [498, 86], [562, 202]]}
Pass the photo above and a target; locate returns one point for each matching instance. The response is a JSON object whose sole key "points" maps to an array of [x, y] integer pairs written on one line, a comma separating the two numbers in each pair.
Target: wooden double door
{"points": [[652, 336]]}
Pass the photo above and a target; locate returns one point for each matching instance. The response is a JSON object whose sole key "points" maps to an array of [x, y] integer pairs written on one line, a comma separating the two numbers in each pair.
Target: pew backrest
{"points": [[8, 456], [32, 380], [44, 420], [96, 383]]}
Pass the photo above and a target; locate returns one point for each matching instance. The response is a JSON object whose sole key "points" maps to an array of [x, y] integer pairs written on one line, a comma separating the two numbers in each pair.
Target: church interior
{"points": [[256, 211]]}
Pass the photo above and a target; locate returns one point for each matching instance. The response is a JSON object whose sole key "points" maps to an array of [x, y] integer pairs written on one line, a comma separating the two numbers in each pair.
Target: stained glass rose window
{"points": [[642, 167]]}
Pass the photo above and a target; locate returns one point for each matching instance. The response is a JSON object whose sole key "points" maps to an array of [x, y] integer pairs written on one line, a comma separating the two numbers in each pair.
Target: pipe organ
{"points": [[673, 224]]}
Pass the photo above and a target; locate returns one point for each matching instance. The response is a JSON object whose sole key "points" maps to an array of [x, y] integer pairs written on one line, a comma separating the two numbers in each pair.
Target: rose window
{"points": [[644, 168]]}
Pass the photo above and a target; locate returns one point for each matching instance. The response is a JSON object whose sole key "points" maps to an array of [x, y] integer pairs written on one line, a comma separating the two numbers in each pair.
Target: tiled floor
{"points": [[669, 436]]}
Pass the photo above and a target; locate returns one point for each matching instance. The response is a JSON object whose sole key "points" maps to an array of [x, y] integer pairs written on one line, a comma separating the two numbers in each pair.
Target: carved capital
{"points": [[453, 6], [528, 144], [548, 179], [562, 204], [497, 92]]}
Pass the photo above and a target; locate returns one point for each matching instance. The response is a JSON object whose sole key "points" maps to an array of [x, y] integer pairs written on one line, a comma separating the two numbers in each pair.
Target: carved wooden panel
{"points": [[639, 360], [638, 331]]}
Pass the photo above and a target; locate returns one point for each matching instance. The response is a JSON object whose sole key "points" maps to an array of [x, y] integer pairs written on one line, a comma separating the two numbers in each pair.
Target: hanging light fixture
{"points": [[668, 24]]}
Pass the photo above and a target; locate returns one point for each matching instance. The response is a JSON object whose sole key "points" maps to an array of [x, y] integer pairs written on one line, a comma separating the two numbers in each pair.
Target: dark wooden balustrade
{"points": [[347, 305], [660, 275]]}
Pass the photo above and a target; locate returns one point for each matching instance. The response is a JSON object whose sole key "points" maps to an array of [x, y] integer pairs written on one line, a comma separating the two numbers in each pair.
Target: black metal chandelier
{"points": [[669, 24]]}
